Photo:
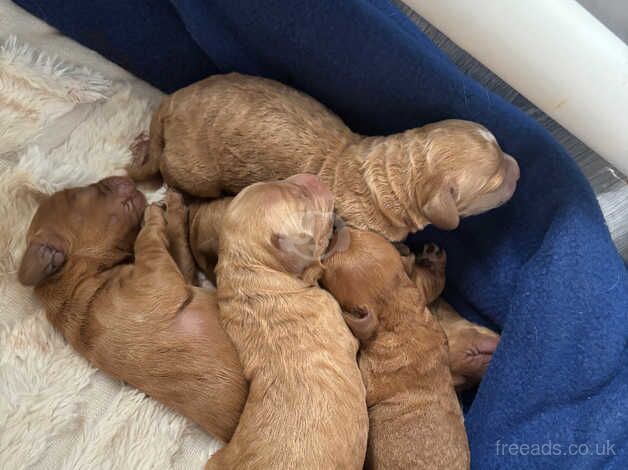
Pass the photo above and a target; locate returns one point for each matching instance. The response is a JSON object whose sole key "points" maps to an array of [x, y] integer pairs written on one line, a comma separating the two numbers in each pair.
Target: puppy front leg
{"points": [[407, 258], [177, 230], [152, 255], [154, 276], [429, 272], [152, 238]]}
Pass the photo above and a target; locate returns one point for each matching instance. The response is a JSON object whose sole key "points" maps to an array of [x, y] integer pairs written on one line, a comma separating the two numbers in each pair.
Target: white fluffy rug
{"points": [[63, 125]]}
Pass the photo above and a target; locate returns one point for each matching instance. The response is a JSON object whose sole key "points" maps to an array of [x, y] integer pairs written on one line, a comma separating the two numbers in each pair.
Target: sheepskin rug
{"points": [[64, 125]]}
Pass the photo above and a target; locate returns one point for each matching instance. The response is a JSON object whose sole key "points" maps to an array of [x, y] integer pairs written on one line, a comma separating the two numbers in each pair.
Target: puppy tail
{"points": [[147, 150]]}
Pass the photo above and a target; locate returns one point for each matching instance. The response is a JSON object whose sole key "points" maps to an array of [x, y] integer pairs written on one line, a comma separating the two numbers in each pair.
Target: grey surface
{"points": [[612, 13], [610, 185]]}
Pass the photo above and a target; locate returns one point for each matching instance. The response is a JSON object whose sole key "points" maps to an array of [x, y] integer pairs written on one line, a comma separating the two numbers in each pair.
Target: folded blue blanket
{"points": [[542, 269]]}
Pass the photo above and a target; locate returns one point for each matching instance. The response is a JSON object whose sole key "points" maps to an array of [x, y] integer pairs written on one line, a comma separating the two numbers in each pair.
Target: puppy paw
{"points": [[174, 202], [432, 257], [139, 150], [176, 215], [140, 167], [154, 217]]}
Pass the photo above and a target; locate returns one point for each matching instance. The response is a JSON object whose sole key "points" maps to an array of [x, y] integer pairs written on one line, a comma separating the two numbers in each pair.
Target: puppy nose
{"points": [[487, 344], [514, 167], [120, 185]]}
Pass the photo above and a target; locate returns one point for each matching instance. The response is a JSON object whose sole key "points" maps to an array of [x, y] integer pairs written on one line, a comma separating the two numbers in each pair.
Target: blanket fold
{"points": [[542, 268]]}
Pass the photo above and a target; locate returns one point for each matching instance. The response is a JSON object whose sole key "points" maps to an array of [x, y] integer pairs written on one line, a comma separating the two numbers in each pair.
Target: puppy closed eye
{"points": [[302, 243], [494, 182]]}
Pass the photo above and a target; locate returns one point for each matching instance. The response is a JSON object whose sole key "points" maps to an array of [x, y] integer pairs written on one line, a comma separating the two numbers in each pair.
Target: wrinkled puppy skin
{"points": [[228, 131], [306, 407], [117, 295], [470, 346], [415, 418]]}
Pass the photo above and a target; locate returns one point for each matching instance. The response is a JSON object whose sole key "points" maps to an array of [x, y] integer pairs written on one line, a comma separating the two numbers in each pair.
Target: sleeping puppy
{"points": [[415, 417], [113, 290], [228, 131], [306, 406], [470, 346]]}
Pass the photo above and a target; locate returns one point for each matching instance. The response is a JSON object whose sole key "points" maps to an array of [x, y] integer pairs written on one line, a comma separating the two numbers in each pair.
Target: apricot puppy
{"points": [[470, 346], [118, 297], [228, 131], [306, 407], [415, 418]]}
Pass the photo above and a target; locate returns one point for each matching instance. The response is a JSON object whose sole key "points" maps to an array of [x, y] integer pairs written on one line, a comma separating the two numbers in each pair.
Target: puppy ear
{"points": [[40, 261], [361, 321], [440, 208], [296, 251]]}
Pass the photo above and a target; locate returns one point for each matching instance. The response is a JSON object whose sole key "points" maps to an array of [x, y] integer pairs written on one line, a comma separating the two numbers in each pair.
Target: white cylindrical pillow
{"points": [[556, 54]]}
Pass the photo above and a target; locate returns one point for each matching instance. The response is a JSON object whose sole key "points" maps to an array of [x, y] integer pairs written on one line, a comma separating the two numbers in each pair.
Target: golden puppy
{"points": [[470, 346], [306, 407], [228, 131], [121, 301], [415, 417]]}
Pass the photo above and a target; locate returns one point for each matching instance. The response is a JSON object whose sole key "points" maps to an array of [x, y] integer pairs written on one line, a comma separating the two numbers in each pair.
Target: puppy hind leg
{"points": [[185, 169], [147, 150]]}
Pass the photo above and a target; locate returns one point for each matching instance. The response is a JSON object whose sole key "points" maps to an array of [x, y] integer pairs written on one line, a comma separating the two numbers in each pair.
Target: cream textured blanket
{"points": [[64, 125]]}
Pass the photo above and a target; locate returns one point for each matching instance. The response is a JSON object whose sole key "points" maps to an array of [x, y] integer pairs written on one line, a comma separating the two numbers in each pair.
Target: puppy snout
{"points": [[487, 344], [513, 169], [120, 185]]}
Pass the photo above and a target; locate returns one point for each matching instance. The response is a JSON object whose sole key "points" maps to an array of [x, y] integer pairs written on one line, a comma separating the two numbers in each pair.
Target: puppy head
{"points": [[362, 278], [466, 173], [284, 224], [98, 222], [471, 346], [470, 352]]}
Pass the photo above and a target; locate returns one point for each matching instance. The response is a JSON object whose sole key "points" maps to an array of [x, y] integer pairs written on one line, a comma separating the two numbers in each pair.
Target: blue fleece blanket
{"points": [[542, 269]]}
